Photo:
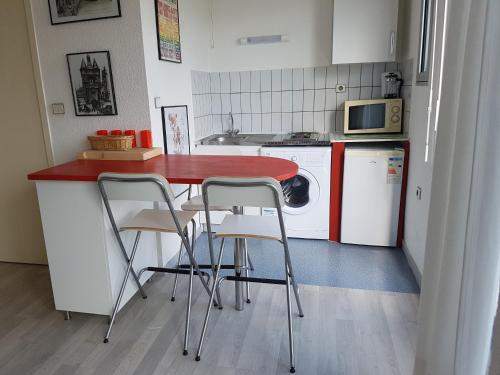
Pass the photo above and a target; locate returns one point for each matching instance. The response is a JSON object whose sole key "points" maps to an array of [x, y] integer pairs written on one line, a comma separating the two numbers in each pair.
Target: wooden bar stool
{"points": [[249, 192], [149, 188]]}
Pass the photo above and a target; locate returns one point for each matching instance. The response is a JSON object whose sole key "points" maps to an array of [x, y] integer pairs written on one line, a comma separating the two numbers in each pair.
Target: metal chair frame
{"points": [[183, 234], [289, 280]]}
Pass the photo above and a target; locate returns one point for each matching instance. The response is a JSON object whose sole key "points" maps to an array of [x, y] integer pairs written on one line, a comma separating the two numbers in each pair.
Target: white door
{"points": [[21, 142]]}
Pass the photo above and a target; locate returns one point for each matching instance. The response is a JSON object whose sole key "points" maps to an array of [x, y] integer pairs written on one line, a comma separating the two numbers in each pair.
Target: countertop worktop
{"points": [[177, 169], [341, 137]]}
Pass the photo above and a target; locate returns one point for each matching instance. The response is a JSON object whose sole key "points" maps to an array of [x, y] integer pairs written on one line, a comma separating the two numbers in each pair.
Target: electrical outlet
{"points": [[340, 87], [419, 193]]}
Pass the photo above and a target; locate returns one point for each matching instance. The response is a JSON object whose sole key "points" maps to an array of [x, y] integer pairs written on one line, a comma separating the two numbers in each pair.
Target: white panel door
{"points": [[364, 31]]}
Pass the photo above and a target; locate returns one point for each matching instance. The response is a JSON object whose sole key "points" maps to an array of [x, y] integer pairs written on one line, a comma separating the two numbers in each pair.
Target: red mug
{"points": [[116, 132], [146, 139], [102, 132], [132, 133]]}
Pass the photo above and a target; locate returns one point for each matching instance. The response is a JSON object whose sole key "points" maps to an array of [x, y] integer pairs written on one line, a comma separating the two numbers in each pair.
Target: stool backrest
{"points": [[135, 187], [243, 192]]}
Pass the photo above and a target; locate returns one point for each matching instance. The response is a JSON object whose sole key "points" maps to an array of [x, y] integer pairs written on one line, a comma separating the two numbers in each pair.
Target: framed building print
{"points": [[65, 11], [91, 80], [175, 129], [167, 30]]}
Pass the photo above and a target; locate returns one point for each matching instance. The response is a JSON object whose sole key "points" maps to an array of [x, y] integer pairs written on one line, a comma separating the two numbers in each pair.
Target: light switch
{"points": [[157, 102], [58, 108]]}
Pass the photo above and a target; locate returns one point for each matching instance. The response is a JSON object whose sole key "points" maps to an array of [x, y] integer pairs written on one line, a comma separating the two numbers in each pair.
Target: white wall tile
{"points": [[256, 123], [245, 103], [297, 121], [236, 103], [255, 81], [319, 100], [308, 100], [331, 76], [245, 81], [343, 74], [265, 99], [276, 123], [286, 79], [266, 123], [366, 93], [276, 101], [276, 80], [308, 121], [217, 123], [376, 92], [354, 93], [319, 122], [286, 122], [214, 83], [226, 103], [378, 69], [265, 80], [354, 75], [206, 83], [339, 121], [225, 83], [298, 79], [237, 121], [330, 100], [391, 67], [298, 101], [329, 121], [341, 98], [246, 123], [366, 74], [320, 78], [308, 78], [255, 102], [235, 82], [286, 101]]}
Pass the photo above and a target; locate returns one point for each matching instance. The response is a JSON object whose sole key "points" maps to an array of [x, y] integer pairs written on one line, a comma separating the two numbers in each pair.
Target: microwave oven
{"points": [[373, 116]]}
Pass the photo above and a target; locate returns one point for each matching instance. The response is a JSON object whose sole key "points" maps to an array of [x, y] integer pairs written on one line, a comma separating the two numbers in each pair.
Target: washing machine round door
{"points": [[301, 192]]}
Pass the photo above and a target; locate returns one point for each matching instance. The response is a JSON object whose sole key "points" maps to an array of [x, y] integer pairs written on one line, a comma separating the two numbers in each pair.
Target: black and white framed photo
{"points": [[65, 11], [92, 83], [175, 129]]}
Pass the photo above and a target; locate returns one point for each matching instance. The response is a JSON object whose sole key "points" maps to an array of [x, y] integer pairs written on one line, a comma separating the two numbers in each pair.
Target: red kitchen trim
{"points": [[337, 175], [404, 188]]}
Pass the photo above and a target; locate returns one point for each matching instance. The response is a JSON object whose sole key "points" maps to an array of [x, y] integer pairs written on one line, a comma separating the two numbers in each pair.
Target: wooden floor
{"points": [[344, 331]]}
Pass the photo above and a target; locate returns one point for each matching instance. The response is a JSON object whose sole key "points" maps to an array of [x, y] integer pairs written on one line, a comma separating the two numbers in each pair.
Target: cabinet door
{"points": [[364, 31]]}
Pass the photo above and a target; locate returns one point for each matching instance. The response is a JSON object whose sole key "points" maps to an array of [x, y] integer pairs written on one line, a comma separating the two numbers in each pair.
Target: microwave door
{"points": [[367, 117]]}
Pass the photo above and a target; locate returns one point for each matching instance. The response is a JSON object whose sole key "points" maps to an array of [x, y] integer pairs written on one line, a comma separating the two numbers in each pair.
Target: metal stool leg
{"points": [[190, 291], [289, 271], [290, 325], [122, 288], [245, 263], [176, 278], [250, 264], [209, 307]]}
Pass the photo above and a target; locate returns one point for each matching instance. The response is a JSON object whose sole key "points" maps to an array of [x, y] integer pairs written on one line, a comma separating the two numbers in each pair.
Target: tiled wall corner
{"points": [[280, 101]]}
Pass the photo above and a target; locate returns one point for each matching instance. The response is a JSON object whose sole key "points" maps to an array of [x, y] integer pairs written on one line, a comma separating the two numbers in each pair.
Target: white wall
{"points": [[123, 38], [307, 23], [420, 172]]}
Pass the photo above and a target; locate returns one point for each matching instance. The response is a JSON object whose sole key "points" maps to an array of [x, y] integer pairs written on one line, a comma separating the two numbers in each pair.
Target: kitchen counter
{"points": [[341, 137]]}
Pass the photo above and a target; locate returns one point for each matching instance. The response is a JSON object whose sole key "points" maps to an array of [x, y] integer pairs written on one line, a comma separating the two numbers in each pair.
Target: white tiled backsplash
{"points": [[280, 101]]}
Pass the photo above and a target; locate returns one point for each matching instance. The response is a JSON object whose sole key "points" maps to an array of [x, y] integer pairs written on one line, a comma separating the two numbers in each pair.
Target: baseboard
{"points": [[413, 265]]}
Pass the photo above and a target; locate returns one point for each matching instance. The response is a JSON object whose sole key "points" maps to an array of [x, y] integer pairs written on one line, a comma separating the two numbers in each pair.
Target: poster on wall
{"points": [[167, 29], [92, 83], [64, 11], [175, 129]]}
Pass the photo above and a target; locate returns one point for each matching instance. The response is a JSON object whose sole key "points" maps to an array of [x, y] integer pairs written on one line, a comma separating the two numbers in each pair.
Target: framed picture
{"points": [[175, 130], [91, 80], [167, 30], [65, 11]]}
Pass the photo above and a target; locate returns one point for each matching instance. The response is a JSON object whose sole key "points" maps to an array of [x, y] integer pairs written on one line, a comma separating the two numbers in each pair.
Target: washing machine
{"points": [[307, 195]]}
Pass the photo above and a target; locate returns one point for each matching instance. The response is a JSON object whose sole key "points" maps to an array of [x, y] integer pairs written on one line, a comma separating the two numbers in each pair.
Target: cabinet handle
{"points": [[393, 37]]}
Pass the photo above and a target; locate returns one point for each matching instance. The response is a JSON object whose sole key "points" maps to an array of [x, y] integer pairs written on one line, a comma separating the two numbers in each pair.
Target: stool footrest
{"points": [[256, 280], [174, 270], [209, 266]]}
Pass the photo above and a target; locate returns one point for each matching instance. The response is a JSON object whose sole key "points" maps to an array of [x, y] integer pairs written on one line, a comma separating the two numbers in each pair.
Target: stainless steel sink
{"points": [[236, 140]]}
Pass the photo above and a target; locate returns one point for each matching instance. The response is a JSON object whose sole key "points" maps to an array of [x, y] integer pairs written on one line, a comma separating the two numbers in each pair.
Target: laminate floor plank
{"points": [[344, 331]]}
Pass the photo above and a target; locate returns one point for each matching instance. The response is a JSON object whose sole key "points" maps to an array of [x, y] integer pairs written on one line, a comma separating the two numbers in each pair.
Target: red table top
{"points": [[177, 169]]}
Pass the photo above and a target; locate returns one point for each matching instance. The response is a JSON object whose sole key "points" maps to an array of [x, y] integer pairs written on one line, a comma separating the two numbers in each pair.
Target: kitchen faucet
{"points": [[232, 132]]}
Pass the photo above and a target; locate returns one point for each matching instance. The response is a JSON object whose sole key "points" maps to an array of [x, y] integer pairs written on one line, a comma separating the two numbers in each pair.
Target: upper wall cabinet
{"points": [[364, 31]]}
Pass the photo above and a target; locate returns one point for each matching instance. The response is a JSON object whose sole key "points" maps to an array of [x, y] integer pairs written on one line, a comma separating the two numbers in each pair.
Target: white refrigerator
{"points": [[371, 195]]}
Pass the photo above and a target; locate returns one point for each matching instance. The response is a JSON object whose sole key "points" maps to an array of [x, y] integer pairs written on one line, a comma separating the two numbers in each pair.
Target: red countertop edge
{"points": [[185, 169]]}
